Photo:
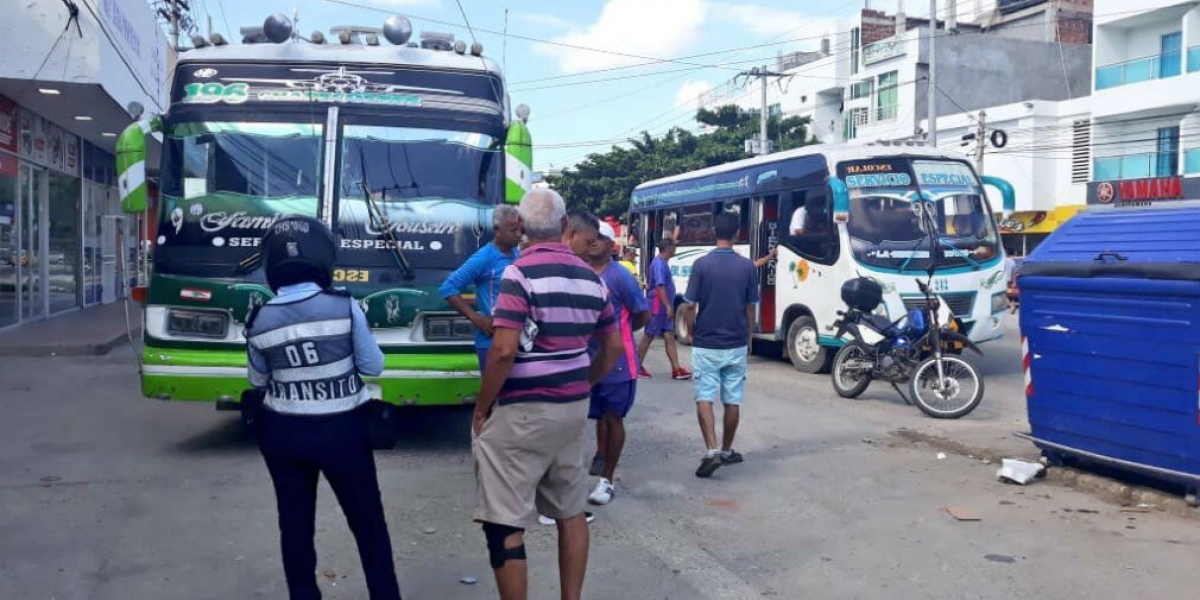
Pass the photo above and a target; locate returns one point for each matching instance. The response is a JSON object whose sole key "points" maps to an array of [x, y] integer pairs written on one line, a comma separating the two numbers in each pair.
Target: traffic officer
{"points": [[309, 348]]}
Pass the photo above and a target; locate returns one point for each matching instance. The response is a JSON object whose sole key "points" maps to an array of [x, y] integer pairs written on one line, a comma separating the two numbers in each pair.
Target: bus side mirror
{"points": [[1006, 191], [131, 168], [518, 150], [841, 200]]}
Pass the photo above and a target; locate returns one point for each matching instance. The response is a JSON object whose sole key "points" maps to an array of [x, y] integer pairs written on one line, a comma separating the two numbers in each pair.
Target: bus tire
{"points": [[804, 348]]}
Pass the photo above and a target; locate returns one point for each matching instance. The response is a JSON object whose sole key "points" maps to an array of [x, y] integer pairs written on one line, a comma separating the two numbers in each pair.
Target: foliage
{"points": [[603, 182]]}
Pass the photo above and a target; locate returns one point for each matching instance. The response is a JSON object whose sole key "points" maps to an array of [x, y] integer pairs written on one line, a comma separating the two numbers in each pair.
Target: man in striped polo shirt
{"points": [[528, 427]]}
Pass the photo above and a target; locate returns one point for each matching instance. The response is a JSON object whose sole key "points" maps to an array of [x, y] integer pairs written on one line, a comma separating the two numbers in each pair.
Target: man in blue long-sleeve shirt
{"points": [[483, 271]]}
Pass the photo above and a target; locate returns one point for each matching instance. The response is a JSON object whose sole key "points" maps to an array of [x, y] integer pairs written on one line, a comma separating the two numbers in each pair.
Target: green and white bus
{"points": [[834, 213], [403, 148]]}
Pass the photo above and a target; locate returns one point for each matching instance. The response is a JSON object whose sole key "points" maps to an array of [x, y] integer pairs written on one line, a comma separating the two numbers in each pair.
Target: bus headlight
{"points": [[197, 323], [999, 302], [448, 329]]}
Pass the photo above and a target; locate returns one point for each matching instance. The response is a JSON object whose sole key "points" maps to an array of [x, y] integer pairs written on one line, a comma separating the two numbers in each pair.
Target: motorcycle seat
{"points": [[879, 323]]}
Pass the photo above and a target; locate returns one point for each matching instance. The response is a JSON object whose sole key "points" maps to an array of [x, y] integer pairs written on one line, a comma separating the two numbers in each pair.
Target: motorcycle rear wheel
{"points": [[959, 392], [846, 385]]}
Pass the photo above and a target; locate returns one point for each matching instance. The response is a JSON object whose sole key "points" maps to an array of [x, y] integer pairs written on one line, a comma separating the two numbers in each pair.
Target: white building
{"points": [[64, 87], [870, 81], [1146, 101]]}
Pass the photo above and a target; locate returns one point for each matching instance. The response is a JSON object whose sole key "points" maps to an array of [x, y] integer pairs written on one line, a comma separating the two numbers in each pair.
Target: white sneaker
{"points": [[603, 494]]}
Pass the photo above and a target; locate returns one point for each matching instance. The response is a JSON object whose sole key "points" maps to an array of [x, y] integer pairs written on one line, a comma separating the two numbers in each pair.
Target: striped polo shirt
{"points": [[559, 303]]}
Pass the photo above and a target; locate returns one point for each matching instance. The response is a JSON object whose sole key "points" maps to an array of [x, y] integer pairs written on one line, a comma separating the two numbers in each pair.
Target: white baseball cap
{"points": [[606, 231]]}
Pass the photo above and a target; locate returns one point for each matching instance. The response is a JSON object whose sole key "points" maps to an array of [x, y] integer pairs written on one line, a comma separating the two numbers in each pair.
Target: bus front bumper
{"points": [[220, 377]]}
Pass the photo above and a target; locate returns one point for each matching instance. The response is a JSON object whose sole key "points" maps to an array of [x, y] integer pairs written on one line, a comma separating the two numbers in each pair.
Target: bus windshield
{"points": [[885, 225], [225, 183], [420, 191]]}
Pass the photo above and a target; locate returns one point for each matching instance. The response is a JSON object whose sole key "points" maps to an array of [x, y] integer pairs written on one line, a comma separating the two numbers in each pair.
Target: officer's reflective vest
{"points": [[310, 350]]}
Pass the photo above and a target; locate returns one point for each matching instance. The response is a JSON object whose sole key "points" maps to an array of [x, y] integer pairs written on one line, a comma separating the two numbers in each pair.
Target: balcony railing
{"points": [[1193, 59], [887, 113], [1191, 162], [1137, 166], [1164, 65]]}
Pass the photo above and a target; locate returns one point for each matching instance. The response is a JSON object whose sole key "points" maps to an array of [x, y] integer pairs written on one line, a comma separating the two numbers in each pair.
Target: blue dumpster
{"points": [[1110, 325]]}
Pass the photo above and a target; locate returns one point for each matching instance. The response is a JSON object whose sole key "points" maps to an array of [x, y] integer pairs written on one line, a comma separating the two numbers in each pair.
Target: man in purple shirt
{"points": [[531, 414], [613, 396], [660, 287]]}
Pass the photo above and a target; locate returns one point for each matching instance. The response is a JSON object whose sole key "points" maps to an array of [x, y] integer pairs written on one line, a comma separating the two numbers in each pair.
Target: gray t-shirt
{"points": [[723, 283]]}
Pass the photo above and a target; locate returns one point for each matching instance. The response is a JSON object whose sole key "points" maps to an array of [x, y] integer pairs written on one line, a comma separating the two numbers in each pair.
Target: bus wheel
{"points": [[804, 347], [681, 330]]}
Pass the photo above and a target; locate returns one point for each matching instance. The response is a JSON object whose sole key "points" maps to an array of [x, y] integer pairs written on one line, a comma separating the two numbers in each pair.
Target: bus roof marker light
{"points": [[460, 47], [278, 28], [217, 39], [199, 41], [397, 30], [372, 39], [477, 49], [344, 37], [317, 37]]}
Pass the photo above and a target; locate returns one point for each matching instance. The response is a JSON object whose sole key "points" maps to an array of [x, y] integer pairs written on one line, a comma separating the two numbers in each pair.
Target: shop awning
{"points": [[1038, 221]]}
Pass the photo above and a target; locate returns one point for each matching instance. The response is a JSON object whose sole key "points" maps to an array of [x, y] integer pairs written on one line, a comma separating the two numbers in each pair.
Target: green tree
{"points": [[603, 182]]}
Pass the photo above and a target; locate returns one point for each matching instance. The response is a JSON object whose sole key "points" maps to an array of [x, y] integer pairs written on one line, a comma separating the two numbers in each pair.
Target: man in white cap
{"points": [[612, 396]]}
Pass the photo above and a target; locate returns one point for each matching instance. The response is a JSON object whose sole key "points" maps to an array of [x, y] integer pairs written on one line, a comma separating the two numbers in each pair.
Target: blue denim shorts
{"points": [[719, 374]]}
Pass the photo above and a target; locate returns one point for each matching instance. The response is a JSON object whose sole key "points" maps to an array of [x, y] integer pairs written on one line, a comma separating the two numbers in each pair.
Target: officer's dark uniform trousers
{"points": [[297, 447]]}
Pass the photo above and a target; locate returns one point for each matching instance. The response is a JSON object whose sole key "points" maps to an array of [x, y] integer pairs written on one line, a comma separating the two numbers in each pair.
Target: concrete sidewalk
{"points": [[90, 331]]}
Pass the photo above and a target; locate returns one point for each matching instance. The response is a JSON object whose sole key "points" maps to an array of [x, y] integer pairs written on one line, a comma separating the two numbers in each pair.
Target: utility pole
{"points": [[980, 140], [931, 92], [761, 74], [174, 26], [763, 147]]}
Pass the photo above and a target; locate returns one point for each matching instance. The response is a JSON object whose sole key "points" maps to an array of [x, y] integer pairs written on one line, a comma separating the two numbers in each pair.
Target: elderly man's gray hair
{"points": [[542, 211], [503, 213]]}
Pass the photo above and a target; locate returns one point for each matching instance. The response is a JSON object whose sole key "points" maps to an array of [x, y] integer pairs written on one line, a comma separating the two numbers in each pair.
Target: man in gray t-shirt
{"points": [[721, 295]]}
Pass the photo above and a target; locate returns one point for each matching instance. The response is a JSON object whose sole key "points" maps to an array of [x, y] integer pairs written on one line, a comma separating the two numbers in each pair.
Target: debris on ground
{"points": [[941, 456], [962, 514], [429, 531], [1000, 558], [1019, 471], [868, 440], [469, 580], [330, 574]]}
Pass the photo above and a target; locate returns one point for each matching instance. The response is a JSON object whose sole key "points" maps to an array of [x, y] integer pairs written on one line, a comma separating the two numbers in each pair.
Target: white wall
{"points": [[1037, 158], [130, 35]]}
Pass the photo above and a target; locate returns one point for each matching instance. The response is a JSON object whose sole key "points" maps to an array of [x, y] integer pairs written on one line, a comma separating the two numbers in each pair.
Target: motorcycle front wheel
{"points": [[851, 372], [955, 394]]}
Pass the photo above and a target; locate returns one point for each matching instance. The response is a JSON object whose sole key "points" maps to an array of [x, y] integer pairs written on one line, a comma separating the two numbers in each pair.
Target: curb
{"points": [[1110, 490], [70, 349]]}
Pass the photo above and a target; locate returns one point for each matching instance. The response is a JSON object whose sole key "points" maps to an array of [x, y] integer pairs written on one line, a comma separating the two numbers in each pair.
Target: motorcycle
{"points": [[921, 349]]}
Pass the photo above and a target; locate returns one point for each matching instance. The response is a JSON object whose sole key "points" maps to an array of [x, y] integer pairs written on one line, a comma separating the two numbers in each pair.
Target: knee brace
{"points": [[497, 553]]}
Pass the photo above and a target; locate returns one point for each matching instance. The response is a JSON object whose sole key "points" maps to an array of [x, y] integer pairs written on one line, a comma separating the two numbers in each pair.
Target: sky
{"points": [[598, 82]]}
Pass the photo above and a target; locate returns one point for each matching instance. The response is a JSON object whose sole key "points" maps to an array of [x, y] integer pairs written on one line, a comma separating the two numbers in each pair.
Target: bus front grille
{"points": [[960, 304]]}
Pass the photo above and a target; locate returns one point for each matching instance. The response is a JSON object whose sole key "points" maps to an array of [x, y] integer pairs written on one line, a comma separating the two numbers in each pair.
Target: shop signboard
{"points": [[56, 152], [8, 165], [32, 136], [72, 155], [8, 125], [1143, 192]]}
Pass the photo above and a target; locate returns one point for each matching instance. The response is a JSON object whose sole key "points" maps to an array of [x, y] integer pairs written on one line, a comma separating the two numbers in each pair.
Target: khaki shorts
{"points": [[529, 461]]}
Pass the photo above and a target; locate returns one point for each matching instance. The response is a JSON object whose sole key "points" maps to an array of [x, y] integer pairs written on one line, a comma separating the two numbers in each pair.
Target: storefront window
{"points": [[63, 258], [9, 252]]}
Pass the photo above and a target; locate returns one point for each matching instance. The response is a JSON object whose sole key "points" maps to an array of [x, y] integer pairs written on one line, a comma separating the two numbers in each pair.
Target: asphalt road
{"points": [[105, 495]]}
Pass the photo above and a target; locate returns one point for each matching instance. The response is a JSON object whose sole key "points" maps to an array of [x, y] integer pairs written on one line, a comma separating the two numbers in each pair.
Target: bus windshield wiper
{"points": [[377, 214]]}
